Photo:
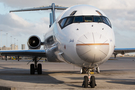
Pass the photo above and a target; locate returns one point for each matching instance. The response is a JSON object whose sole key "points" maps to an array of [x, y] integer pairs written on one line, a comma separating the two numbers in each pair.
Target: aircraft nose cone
{"points": [[92, 47]]}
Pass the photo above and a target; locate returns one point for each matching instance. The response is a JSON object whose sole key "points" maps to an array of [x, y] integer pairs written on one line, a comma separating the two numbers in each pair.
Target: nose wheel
{"points": [[92, 82], [89, 80], [85, 82]]}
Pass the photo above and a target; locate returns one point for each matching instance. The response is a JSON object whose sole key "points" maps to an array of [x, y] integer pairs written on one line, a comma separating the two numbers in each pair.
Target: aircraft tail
{"points": [[51, 21], [52, 7]]}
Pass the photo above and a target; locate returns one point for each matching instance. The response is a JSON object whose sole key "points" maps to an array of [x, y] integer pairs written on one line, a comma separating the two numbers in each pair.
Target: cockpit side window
{"points": [[106, 21], [69, 21], [50, 40], [73, 13], [78, 19], [62, 22], [99, 13]]}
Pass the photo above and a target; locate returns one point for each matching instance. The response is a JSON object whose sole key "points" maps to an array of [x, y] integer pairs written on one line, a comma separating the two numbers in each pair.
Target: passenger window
{"points": [[88, 19], [63, 22], [78, 19], [50, 40], [97, 19], [69, 21]]}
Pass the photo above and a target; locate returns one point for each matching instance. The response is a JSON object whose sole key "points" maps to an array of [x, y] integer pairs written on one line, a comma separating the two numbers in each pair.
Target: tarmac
{"points": [[116, 74]]}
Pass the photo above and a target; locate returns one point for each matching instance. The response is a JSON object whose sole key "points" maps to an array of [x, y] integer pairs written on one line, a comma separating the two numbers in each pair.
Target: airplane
{"points": [[82, 35]]}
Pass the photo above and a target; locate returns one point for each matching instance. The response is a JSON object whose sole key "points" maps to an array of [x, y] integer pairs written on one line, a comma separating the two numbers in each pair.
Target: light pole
{"points": [[6, 40], [17, 44], [14, 43], [1, 40], [11, 42]]}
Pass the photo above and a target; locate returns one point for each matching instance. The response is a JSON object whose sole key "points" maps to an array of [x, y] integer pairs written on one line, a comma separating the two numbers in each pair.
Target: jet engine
{"points": [[34, 42]]}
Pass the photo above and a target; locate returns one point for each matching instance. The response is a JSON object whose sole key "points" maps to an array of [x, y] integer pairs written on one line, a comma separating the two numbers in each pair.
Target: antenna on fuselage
{"points": [[52, 7]]}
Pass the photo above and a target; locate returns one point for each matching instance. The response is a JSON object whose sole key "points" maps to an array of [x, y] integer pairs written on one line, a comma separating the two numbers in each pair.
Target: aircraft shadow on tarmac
{"points": [[123, 81], [22, 75], [119, 81], [111, 79]]}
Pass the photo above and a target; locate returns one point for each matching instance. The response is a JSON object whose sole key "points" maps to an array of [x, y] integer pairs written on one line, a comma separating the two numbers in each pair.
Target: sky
{"points": [[17, 27]]}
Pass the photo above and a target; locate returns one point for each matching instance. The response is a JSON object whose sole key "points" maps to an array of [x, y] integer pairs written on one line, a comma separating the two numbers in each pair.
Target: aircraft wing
{"points": [[30, 53], [124, 50]]}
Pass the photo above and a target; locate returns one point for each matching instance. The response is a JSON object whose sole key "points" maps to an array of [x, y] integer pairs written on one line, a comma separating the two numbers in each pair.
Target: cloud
{"points": [[102, 4], [15, 23], [113, 4], [21, 29], [29, 3]]}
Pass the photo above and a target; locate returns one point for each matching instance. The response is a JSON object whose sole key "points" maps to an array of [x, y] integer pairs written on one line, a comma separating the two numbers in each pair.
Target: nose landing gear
{"points": [[35, 67], [89, 80]]}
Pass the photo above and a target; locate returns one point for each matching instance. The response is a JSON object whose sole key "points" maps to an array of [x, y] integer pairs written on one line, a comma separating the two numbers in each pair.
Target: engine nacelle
{"points": [[34, 42]]}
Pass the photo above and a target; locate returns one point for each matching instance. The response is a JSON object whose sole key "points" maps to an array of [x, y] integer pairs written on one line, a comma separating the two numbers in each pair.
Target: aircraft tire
{"points": [[85, 82], [32, 69], [92, 82], [39, 68]]}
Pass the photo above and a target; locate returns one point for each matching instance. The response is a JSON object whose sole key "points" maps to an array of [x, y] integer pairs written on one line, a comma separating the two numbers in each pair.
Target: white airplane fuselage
{"points": [[86, 41]]}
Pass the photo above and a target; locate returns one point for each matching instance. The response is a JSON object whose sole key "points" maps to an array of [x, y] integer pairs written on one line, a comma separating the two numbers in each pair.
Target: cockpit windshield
{"points": [[88, 19], [97, 19], [80, 19]]}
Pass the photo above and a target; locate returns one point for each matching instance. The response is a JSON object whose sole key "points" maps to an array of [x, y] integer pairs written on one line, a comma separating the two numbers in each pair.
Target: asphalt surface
{"points": [[116, 74]]}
